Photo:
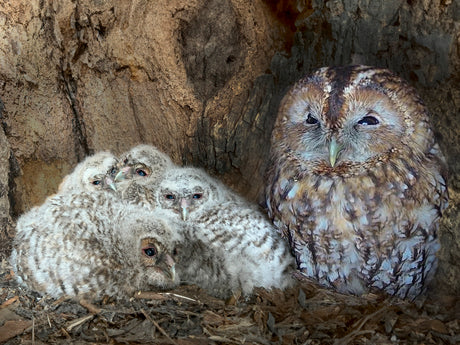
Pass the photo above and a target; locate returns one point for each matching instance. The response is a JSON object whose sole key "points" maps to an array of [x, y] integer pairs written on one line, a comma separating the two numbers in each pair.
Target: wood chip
{"points": [[13, 328], [432, 325], [9, 302]]}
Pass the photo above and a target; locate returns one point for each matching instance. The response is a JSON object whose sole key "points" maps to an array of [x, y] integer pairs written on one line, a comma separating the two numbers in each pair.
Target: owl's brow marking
{"points": [[340, 78]]}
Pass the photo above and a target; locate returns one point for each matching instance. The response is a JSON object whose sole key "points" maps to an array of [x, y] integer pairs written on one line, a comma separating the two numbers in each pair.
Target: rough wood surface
{"points": [[6, 223]]}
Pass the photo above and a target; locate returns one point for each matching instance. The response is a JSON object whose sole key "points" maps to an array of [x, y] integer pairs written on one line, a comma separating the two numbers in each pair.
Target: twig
{"points": [[149, 295], [78, 322], [179, 296], [60, 300], [162, 331], [91, 307], [370, 316], [33, 330], [67, 335], [224, 339], [346, 339]]}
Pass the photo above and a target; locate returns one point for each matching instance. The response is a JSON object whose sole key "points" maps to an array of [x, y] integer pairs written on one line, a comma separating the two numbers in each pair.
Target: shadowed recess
{"points": [[211, 47]]}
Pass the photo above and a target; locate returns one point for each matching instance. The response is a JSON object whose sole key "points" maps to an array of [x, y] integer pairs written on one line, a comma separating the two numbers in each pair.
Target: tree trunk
{"points": [[202, 80]]}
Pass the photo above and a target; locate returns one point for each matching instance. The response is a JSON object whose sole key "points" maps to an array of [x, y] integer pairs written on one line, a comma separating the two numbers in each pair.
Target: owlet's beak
{"points": [[334, 150], [111, 183], [184, 205], [170, 270], [123, 174]]}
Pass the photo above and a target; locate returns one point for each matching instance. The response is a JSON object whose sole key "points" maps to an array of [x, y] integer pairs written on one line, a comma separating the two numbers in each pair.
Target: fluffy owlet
{"points": [[357, 182], [91, 245], [187, 190], [139, 171], [238, 247], [141, 161], [90, 174]]}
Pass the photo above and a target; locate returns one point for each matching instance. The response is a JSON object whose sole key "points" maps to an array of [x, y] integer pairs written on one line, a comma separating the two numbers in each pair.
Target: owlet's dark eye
{"points": [[170, 196], [141, 172], [311, 120], [197, 196], [368, 121], [150, 251], [96, 182]]}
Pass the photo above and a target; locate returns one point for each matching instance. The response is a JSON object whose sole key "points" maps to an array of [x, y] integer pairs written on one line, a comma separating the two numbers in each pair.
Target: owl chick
{"points": [[90, 174], [238, 247], [92, 244], [186, 190], [357, 182], [142, 161], [138, 172]]}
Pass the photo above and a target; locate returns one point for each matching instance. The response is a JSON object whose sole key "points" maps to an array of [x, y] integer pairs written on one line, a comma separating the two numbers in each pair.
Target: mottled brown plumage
{"points": [[357, 182]]}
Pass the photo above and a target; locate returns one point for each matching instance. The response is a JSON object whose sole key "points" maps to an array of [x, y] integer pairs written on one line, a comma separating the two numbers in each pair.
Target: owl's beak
{"points": [[170, 267], [111, 183], [122, 174], [334, 149], [184, 204], [172, 273]]}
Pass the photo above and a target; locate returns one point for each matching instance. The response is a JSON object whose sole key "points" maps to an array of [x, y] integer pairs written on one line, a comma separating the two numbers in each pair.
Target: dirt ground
{"points": [[305, 314]]}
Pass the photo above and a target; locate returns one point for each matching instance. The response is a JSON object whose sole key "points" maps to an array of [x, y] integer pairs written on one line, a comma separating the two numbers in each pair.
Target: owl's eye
{"points": [[170, 197], [141, 172], [96, 182], [113, 171], [197, 195], [368, 121], [311, 120], [150, 251]]}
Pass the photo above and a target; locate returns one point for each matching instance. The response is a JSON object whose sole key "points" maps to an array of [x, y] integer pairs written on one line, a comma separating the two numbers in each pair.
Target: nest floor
{"points": [[304, 314]]}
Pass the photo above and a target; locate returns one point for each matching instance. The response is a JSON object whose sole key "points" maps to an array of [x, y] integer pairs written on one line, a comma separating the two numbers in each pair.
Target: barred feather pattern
{"points": [[238, 247], [253, 253], [91, 245]]}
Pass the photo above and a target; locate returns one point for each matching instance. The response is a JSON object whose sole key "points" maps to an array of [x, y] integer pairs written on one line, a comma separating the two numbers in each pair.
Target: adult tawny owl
{"points": [[238, 247], [93, 244], [90, 174], [356, 181]]}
